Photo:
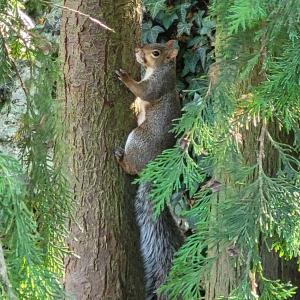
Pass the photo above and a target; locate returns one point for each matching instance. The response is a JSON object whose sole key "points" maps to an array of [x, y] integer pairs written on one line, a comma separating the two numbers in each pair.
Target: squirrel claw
{"points": [[119, 153], [118, 74], [122, 74]]}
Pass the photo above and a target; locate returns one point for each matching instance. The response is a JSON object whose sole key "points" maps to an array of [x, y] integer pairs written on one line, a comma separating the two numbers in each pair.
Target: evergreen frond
{"points": [[282, 89], [35, 199], [168, 172], [29, 277], [254, 86], [245, 14]]}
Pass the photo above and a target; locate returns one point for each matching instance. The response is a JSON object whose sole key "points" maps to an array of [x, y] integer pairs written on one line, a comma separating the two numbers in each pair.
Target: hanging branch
{"points": [[4, 277], [13, 64]]}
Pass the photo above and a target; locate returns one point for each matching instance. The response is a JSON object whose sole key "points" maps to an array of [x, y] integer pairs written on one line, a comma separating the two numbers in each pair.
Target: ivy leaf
{"points": [[146, 27], [182, 10], [191, 58], [155, 7], [154, 33], [201, 52], [207, 27], [167, 18], [198, 17], [184, 27], [196, 84], [150, 34], [190, 62], [197, 41]]}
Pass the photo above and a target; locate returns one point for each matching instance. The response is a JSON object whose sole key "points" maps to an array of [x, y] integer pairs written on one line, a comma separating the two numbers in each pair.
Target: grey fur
{"points": [[160, 238], [153, 136], [164, 81]]}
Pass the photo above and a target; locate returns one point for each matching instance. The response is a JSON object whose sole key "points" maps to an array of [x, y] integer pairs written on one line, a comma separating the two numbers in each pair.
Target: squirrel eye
{"points": [[156, 53]]}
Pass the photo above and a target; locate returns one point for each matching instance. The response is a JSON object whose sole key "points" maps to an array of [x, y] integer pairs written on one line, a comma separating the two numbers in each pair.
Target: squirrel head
{"points": [[154, 55]]}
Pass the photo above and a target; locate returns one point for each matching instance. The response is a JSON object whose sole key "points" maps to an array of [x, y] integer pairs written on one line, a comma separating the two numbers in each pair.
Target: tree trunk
{"points": [[104, 237]]}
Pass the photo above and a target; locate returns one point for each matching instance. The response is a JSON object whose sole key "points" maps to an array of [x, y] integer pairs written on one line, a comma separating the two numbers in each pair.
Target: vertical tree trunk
{"points": [[104, 238]]}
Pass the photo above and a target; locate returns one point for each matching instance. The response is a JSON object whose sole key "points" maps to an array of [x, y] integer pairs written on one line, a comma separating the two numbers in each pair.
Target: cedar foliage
{"points": [[252, 87], [34, 197]]}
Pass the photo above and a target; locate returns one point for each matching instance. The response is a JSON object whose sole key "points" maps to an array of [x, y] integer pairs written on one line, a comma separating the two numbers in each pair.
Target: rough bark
{"points": [[104, 238]]}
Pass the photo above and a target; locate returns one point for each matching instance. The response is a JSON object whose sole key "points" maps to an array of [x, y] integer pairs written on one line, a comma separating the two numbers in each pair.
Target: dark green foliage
{"points": [[43, 158], [20, 235], [185, 22], [194, 57], [253, 87], [34, 198], [37, 8], [179, 169]]}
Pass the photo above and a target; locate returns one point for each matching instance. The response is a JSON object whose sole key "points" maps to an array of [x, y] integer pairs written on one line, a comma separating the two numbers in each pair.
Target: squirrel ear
{"points": [[172, 54], [170, 43]]}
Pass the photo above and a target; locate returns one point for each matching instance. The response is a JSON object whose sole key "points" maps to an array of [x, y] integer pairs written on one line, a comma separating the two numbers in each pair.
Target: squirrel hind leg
{"points": [[120, 156]]}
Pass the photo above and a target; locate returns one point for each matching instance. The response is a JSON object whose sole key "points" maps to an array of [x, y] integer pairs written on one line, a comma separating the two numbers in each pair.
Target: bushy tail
{"points": [[159, 239]]}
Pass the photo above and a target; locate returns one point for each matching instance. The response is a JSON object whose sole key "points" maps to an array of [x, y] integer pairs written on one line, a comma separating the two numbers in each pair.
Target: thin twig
{"points": [[14, 65], [260, 158], [254, 284], [82, 14], [4, 277], [261, 151]]}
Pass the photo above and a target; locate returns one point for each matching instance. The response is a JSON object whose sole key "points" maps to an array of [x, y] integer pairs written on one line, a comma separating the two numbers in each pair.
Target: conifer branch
{"points": [[13, 64], [4, 277]]}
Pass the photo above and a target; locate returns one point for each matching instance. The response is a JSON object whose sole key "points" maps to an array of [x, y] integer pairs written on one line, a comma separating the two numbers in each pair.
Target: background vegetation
{"points": [[240, 128], [34, 199], [235, 168]]}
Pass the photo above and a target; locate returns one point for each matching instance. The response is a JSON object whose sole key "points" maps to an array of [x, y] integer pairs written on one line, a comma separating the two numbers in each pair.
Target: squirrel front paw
{"points": [[122, 75], [119, 153]]}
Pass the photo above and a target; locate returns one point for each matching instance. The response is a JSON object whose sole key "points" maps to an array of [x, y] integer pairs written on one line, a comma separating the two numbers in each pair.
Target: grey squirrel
{"points": [[158, 104]]}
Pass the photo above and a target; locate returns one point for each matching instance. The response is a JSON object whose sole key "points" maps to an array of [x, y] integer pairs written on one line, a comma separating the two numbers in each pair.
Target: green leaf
{"points": [[182, 10], [198, 17], [180, 85], [149, 33], [154, 7], [197, 41], [146, 28], [207, 27], [245, 14], [183, 27], [167, 18], [191, 58], [152, 34], [202, 54]]}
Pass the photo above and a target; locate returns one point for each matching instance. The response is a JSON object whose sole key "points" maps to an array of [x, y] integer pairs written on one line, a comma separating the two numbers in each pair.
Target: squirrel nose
{"points": [[138, 49]]}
